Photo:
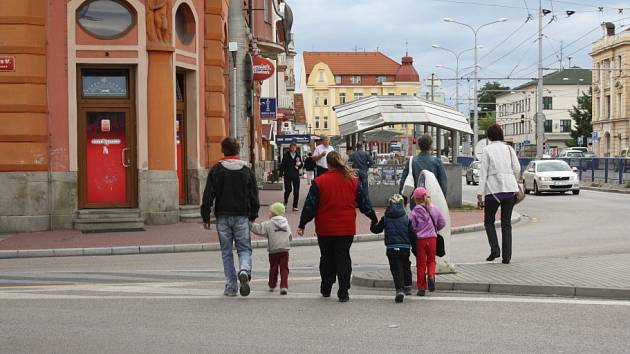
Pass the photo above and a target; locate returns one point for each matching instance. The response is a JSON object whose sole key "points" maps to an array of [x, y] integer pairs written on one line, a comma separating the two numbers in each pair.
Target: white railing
{"points": [[285, 101]]}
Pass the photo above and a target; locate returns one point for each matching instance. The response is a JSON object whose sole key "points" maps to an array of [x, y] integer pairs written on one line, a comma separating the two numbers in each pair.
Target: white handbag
{"points": [[410, 184]]}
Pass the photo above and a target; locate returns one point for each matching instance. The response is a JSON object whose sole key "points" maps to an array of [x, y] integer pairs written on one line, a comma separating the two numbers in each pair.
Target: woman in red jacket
{"points": [[332, 201]]}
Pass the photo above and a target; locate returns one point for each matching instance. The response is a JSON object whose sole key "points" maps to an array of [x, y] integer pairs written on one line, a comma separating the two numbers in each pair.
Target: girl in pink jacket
{"points": [[423, 218]]}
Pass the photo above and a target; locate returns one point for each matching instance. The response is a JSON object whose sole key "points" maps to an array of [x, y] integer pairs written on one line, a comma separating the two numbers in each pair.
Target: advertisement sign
{"points": [[7, 64], [294, 138], [262, 68], [268, 107]]}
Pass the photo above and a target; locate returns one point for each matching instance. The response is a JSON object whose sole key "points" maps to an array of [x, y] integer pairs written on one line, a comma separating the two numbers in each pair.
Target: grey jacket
{"points": [[361, 160], [277, 231]]}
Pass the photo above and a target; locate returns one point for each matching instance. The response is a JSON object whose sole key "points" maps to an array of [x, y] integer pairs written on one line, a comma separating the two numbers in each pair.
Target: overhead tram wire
{"points": [[481, 4], [521, 60], [504, 40]]}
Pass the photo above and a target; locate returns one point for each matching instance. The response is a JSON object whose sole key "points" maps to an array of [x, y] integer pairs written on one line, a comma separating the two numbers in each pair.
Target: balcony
{"points": [[289, 82], [285, 101]]}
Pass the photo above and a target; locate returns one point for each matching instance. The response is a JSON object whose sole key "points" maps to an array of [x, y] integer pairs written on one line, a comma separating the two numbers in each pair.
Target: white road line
{"points": [[265, 295]]}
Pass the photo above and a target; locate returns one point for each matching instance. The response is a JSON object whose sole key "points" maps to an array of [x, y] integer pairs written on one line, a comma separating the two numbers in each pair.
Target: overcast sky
{"points": [[343, 25]]}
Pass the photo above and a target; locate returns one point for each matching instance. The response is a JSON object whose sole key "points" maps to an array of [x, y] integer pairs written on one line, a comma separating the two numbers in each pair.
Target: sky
{"points": [[510, 48]]}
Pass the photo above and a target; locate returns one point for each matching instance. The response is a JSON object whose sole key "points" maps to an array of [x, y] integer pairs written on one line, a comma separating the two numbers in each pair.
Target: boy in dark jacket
{"points": [[399, 241], [232, 188]]}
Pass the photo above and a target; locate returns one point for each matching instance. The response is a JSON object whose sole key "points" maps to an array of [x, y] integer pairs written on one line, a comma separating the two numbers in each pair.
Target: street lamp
{"points": [[475, 32], [457, 55]]}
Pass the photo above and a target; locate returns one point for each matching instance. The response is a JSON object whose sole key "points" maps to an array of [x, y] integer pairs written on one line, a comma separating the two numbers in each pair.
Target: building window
{"points": [[316, 100], [106, 19], [266, 12], [325, 122], [548, 125], [565, 125], [403, 93], [390, 94], [325, 101], [316, 122], [338, 79], [184, 24], [342, 97], [374, 94], [381, 79], [320, 77], [355, 80], [547, 102], [607, 103], [358, 95]]}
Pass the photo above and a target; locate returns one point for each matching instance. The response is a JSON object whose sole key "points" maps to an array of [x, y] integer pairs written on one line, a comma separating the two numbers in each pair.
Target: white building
{"points": [[516, 109]]}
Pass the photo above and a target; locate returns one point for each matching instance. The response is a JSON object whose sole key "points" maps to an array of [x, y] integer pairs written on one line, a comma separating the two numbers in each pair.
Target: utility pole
{"points": [[540, 117], [238, 35], [432, 86]]}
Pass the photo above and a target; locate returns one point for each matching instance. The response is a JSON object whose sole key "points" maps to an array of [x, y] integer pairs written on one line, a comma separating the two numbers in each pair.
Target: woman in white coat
{"points": [[498, 187]]}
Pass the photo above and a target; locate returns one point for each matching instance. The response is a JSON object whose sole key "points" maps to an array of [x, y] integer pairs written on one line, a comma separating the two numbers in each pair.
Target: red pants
{"points": [[425, 260], [280, 261]]}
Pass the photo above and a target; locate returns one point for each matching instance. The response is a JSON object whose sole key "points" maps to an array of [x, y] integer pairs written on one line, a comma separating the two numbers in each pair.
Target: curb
{"points": [[197, 247], [512, 289], [606, 190]]}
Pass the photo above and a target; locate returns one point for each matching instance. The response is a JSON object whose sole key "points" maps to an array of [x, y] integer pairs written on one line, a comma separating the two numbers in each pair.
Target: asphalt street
{"points": [[173, 303]]}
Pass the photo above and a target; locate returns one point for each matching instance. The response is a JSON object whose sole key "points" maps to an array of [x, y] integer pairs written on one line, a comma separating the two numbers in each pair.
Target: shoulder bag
{"points": [[409, 184], [520, 195], [440, 250]]}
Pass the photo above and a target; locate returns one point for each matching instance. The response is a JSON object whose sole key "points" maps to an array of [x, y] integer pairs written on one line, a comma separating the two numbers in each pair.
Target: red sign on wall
{"points": [[7, 64], [262, 68]]}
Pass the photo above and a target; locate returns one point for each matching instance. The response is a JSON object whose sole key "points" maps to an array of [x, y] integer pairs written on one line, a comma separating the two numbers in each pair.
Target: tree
{"points": [[583, 117], [488, 97]]}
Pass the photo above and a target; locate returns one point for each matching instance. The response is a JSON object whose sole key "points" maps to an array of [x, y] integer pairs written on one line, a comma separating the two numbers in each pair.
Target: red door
{"points": [[107, 159], [180, 156]]}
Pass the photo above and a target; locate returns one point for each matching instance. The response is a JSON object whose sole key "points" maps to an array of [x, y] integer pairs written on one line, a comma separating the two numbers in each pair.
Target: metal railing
{"points": [[606, 170]]}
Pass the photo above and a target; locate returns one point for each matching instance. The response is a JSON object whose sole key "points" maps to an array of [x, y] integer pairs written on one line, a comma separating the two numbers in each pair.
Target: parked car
{"points": [[550, 176], [623, 157], [472, 173]]}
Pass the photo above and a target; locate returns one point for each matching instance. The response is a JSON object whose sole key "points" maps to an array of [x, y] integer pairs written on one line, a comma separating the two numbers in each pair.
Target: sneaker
{"points": [[344, 298], [229, 293], [408, 290], [272, 290], [325, 290], [399, 297], [420, 292], [431, 282], [296, 209], [283, 291], [243, 278]]}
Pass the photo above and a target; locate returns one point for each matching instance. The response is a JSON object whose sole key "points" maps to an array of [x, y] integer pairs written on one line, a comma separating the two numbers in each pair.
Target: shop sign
{"points": [[262, 68], [7, 64], [294, 138], [268, 107]]}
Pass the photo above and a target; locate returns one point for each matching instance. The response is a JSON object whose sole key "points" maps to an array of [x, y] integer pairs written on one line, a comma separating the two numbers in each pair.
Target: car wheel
{"points": [[576, 192], [467, 181], [536, 191]]}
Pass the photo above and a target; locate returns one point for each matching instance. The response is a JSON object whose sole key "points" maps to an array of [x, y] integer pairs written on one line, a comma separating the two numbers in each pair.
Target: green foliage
{"points": [[582, 115], [488, 94]]}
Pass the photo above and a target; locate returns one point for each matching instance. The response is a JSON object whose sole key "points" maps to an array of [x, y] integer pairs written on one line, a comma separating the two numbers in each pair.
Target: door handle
{"points": [[123, 158]]}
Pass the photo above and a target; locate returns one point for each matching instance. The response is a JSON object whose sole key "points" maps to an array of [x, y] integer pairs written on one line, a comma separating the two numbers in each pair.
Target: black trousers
{"points": [[335, 262], [319, 170], [491, 207], [400, 266], [292, 184], [363, 181]]}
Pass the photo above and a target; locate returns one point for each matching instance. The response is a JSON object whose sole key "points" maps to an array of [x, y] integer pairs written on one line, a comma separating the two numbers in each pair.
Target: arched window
{"points": [[184, 24], [106, 19]]}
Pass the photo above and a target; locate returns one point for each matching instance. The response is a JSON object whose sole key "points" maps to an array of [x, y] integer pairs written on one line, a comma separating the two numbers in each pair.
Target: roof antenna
{"points": [[406, 48]]}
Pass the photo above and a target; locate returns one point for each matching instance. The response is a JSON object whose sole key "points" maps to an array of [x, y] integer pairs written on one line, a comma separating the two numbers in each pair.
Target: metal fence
{"points": [[606, 170], [385, 174]]}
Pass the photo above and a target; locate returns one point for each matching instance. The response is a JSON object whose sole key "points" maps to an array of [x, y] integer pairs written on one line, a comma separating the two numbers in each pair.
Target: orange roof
{"points": [[300, 113], [352, 63]]}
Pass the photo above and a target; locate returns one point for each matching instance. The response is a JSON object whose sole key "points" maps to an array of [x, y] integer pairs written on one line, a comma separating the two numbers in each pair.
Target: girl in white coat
{"points": [[498, 187]]}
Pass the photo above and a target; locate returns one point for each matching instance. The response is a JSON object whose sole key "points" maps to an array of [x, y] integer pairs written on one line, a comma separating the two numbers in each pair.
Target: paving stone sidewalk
{"points": [[588, 276]]}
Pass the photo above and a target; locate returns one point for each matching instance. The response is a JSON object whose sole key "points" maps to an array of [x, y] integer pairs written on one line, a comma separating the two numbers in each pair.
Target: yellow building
{"points": [[332, 78], [611, 92]]}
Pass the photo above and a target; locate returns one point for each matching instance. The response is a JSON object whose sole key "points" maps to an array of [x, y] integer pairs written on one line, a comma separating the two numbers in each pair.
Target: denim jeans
{"points": [[234, 229]]}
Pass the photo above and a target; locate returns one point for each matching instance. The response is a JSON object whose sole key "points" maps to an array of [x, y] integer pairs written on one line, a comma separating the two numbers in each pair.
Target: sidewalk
{"points": [[185, 237], [605, 187], [590, 276]]}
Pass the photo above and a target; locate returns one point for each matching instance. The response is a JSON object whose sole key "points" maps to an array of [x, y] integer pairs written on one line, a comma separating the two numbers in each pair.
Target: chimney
{"points": [[610, 28]]}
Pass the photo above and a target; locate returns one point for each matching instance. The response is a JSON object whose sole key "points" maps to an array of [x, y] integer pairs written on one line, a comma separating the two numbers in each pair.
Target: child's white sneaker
{"points": [[272, 290], [283, 291]]}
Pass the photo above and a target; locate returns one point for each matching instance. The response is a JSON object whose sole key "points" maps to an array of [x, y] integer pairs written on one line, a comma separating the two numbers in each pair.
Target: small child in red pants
{"points": [[278, 233], [423, 216]]}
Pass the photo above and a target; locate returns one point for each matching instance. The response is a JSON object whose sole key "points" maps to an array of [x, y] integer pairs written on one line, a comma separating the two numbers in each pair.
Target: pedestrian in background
{"points": [[278, 233], [361, 161], [320, 155], [426, 220], [425, 161], [231, 187], [290, 171], [400, 239], [498, 187], [309, 166], [332, 201]]}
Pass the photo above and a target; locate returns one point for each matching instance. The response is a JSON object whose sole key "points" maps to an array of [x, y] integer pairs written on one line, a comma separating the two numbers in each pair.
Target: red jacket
{"points": [[332, 201]]}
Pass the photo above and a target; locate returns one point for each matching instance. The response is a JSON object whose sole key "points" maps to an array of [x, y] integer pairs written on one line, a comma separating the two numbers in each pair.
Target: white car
{"points": [[550, 176]]}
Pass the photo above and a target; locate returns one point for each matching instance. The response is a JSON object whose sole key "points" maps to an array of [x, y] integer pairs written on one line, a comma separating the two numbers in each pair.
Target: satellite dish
{"points": [[479, 148]]}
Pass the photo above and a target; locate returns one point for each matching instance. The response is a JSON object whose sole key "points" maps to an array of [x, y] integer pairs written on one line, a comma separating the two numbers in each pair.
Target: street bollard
{"points": [[593, 171], [622, 168], [606, 171]]}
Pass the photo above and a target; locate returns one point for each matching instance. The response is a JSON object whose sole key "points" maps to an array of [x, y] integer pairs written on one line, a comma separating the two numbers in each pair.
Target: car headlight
{"points": [[545, 179]]}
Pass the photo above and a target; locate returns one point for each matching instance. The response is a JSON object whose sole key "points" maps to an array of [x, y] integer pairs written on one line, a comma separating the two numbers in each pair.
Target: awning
{"points": [[376, 111]]}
